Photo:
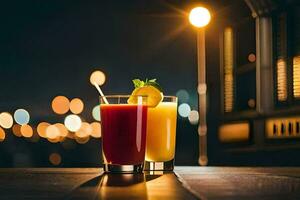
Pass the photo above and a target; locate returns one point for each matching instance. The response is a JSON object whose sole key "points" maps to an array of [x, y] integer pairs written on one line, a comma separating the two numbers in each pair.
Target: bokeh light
{"points": [[183, 95], [52, 132], [63, 131], [96, 130], [201, 89], [97, 77], [251, 103], [202, 130], [55, 158], [26, 131], [6, 120], [194, 117], [2, 134], [71, 135], [203, 160], [41, 129], [76, 106], [54, 140], [16, 129], [73, 123], [82, 140], [60, 105], [84, 131], [199, 17], [96, 113], [184, 110], [251, 57], [22, 116]]}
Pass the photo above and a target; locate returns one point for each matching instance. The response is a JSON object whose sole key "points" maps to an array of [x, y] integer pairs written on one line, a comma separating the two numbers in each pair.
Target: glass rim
{"points": [[128, 95], [121, 96]]}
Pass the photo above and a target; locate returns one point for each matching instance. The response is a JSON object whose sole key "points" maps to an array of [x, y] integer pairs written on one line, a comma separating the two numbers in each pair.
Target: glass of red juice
{"points": [[123, 133]]}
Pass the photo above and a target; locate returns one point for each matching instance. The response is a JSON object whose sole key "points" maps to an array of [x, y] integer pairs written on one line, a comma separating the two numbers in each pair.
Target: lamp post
{"points": [[200, 17]]}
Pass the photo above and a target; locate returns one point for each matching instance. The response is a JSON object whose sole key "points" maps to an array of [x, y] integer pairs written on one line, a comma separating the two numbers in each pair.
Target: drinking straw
{"points": [[100, 92]]}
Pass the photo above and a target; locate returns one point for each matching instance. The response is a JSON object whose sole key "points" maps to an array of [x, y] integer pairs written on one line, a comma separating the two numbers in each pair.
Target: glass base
{"points": [[121, 169], [159, 166]]}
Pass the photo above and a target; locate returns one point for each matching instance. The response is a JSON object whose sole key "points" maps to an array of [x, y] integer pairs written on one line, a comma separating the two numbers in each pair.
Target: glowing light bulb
{"points": [[194, 117], [41, 129], [73, 123], [251, 103], [2, 134], [26, 131], [96, 130], [55, 140], [21, 116], [6, 120], [76, 106], [84, 131], [60, 105], [63, 131], [184, 110], [97, 77], [71, 135], [82, 140], [251, 57], [16, 129], [199, 17], [55, 158], [183, 95], [96, 113], [52, 132]]}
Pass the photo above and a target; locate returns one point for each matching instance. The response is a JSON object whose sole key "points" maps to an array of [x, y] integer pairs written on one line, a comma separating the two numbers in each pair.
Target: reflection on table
{"points": [[151, 185]]}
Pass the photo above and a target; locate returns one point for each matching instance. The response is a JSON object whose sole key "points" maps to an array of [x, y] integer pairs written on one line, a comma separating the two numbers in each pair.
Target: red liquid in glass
{"points": [[123, 133]]}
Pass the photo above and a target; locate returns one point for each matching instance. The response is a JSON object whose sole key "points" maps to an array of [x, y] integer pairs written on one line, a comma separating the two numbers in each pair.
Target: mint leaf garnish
{"points": [[150, 82], [138, 83]]}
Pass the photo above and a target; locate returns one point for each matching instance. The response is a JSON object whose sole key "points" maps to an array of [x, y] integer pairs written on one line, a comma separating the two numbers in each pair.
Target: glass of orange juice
{"points": [[161, 135]]}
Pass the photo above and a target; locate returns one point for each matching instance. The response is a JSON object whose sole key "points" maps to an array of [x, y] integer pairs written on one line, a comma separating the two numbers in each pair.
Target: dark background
{"points": [[50, 48]]}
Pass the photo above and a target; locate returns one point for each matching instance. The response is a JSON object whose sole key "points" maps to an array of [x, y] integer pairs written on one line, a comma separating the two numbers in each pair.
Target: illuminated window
{"points": [[296, 51], [239, 66], [228, 70], [281, 80], [281, 57], [287, 55], [296, 76]]}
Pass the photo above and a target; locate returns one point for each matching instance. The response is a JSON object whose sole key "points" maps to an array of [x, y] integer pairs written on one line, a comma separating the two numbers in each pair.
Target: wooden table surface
{"points": [[186, 183]]}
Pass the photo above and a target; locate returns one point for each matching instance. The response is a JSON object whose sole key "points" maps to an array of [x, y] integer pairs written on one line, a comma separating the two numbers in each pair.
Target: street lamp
{"points": [[200, 17]]}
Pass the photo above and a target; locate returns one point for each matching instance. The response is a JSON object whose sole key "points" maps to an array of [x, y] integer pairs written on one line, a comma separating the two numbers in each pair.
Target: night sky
{"points": [[50, 48]]}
